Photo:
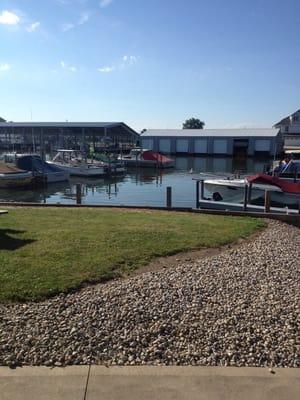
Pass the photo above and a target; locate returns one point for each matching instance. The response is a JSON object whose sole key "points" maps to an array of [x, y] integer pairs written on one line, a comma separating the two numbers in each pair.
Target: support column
{"points": [[42, 144], [82, 139]]}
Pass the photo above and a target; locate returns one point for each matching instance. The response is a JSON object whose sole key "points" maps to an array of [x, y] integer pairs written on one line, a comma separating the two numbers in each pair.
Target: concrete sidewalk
{"points": [[153, 383]]}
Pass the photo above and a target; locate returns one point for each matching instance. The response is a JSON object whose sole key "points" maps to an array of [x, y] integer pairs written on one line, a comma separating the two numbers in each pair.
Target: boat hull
{"points": [[15, 181], [84, 170], [130, 162], [234, 192], [59, 176]]}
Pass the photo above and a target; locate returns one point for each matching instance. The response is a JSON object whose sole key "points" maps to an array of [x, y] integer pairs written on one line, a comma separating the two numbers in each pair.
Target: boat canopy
{"points": [[285, 186]]}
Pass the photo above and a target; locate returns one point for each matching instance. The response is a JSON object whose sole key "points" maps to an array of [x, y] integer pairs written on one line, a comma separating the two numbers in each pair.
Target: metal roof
{"points": [[66, 125], [272, 132], [58, 124]]}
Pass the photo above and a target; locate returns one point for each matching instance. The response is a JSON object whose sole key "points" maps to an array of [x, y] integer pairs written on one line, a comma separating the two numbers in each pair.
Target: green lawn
{"points": [[51, 250]]}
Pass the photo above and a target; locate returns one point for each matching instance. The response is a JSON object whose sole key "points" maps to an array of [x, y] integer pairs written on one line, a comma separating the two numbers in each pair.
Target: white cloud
{"points": [[4, 67], [84, 17], [125, 62], [106, 69], [105, 3], [130, 60], [32, 27], [67, 27], [67, 67], [9, 18]]}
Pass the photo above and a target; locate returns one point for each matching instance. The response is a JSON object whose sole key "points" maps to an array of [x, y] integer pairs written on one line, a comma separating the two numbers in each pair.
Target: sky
{"points": [[150, 63]]}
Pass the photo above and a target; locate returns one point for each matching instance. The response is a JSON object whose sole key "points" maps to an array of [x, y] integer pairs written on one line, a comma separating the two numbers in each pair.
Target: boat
{"points": [[139, 157], [75, 163], [12, 177], [113, 165], [232, 190], [39, 168]]}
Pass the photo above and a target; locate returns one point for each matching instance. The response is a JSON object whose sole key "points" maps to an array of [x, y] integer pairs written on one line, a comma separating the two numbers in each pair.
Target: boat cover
{"points": [[285, 186], [36, 164], [153, 156]]}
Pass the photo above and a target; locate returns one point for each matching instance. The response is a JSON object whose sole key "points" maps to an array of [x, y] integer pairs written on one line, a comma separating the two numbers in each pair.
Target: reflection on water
{"points": [[141, 186]]}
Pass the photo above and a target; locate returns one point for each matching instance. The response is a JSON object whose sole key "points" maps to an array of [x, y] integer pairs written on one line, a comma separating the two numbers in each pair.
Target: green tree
{"points": [[193, 123], [2, 120]]}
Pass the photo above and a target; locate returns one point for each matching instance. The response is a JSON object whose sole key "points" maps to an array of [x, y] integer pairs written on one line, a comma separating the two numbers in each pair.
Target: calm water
{"points": [[141, 186]]}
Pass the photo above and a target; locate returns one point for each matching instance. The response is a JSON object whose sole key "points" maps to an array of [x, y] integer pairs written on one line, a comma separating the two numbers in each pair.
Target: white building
{"points": [[228, 142], [290, 129]]}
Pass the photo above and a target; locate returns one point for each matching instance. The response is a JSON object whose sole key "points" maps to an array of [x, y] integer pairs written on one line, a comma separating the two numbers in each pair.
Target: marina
{"points": [[140, 186], [102, 163]]}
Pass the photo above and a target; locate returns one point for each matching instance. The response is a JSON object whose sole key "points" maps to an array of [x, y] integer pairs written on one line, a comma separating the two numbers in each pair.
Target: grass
{"points": [[48, 251]]}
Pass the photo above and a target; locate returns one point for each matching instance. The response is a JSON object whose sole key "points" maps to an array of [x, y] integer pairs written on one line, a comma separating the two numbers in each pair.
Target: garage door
{"points": [[182, 145], [165, 145], [147, 144], [219, 165], [220, 146], [262, 145], [201, 146]]}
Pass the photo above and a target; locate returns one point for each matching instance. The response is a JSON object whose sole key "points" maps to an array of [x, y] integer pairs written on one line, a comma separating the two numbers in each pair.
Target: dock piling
{"points": [[78, 193], [249, 192], [197, 193], [169, 196], [245, 198], [267, 201]]}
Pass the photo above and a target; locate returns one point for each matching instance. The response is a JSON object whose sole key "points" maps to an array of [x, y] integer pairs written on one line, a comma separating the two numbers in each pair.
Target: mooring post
{"points": [[202, 189], [169, 196], [298, 207], [197, 193], [78, 193], [267, 201], [249, 192], [245, 198]]}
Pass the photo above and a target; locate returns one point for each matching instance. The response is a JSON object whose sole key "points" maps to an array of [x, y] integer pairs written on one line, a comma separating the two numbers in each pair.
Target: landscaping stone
{"points": [[237, 308]]}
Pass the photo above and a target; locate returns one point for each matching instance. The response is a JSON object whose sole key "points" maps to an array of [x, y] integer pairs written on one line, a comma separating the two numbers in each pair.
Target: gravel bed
{"points": [[238, 308]]}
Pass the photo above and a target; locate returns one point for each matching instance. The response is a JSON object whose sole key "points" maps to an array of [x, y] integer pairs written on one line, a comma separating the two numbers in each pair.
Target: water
{"points": [[141, 186]]}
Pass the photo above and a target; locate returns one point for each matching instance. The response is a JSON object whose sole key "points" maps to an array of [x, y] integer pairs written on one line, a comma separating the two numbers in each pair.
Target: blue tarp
{"points": [[34, 163]]}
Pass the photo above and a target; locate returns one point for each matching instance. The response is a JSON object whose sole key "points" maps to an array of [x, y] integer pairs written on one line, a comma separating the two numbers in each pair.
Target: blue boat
{"points": [[35, 164]]}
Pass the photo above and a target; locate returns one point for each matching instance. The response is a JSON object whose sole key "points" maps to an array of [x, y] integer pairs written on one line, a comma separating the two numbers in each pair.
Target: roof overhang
{"points": [[68, 125]]}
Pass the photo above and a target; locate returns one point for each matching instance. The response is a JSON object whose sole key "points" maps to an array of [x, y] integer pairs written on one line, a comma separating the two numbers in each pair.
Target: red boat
{"points": [[146, 158], [284, 185]]}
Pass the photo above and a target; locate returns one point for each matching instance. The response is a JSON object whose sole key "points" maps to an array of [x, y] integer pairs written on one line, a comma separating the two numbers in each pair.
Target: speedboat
{"points": [[146, 158], [74, 162], [13, 177], [283, 193], [38, 167]]}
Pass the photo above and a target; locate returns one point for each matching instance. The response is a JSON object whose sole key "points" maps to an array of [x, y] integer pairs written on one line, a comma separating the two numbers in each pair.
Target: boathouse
{"points": [[65, 134], [223, 142]]}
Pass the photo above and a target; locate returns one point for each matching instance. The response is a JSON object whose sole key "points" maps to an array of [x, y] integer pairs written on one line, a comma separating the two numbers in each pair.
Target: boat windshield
{"points": [[69, 156], [292, 167], [135, 152]]}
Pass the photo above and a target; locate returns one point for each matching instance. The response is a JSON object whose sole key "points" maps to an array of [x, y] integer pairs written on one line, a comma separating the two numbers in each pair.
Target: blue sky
{"points": [[151, 64]]}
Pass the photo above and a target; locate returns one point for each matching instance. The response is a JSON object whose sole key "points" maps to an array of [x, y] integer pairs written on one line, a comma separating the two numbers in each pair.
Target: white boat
{"points": [[233, 190], [13, 177], [74, 162], [37, 166], [146, 158]]}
